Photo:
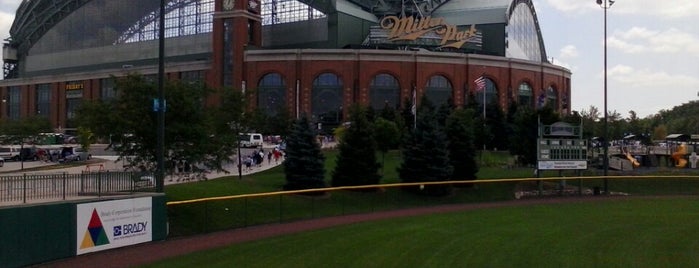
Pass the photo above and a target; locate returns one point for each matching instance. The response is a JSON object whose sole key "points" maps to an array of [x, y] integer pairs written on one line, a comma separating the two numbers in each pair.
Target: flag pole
{"points": [[414, 107]]}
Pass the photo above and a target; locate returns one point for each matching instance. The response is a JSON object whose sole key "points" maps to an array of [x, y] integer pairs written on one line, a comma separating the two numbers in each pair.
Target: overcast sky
{"points": [[653, 51]]}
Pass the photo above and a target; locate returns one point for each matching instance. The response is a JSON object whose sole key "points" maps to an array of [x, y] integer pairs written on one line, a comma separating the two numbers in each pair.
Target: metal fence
{"points": [[31, 188], [190, 217]]}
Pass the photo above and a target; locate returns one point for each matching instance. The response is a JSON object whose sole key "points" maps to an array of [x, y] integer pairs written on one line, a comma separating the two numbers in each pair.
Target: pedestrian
{"points": [[269, 158], [277, 154]]}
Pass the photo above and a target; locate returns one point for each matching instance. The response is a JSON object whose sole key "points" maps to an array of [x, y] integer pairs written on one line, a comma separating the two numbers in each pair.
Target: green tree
{"points": [[24, 130], [425, 154], [387, 136], [523, 141], [193, 132], [482, 131], [496, 122], [304, 162], [356, 160], [462, 154]]}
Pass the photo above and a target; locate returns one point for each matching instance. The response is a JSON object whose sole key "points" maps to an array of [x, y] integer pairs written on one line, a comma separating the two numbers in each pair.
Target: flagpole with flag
{"points": [[480, 86], [413, 109]]}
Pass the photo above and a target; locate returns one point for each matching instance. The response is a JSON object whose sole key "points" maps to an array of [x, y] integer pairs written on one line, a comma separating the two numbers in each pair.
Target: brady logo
{"points": [[130, 228]]}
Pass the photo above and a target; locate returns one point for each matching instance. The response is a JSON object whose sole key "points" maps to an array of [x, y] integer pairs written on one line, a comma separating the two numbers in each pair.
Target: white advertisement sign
{"points": [[113, 224], [572, 164]]}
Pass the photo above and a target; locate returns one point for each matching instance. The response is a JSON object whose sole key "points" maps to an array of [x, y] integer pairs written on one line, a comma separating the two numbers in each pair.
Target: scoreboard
{"points": [[562, 153]]}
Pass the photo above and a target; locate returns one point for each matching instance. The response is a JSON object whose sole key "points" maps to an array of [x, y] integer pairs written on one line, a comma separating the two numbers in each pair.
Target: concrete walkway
{"points": [[110, 163]]}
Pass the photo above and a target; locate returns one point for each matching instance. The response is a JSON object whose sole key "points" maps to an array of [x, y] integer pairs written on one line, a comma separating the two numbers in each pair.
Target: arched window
{"points": [[438, 90], [271, 93], [552, 98], [491, 93], [384, 90], [326, 98], [525, 93]]}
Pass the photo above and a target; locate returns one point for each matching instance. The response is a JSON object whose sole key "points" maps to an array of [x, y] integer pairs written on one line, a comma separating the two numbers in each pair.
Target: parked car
{"points": [[28, 154], [10, 152], [70, 154], [2, 162]]}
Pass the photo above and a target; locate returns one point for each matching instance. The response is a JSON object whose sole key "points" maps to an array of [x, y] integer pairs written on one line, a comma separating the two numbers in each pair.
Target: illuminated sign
{"points": [[74, 85], [411, 28]]}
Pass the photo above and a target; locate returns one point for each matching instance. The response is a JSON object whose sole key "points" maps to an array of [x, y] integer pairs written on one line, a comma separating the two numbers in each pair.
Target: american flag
{"points": [[480, 83], [413, 108]]}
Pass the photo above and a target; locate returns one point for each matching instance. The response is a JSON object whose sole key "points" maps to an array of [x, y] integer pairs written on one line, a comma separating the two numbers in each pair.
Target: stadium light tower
{"points": [[605, 5]]}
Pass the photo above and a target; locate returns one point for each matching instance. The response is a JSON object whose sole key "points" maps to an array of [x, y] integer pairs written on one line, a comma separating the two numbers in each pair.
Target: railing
{"points": [[31, 188], [205, 215]]}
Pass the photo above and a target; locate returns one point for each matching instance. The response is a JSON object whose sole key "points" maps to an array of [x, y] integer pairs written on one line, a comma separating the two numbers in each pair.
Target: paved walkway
{"points": [[110, 163]]}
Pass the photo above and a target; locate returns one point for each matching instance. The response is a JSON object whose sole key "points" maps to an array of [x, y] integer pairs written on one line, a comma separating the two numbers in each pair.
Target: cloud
{"points": [[675, 9], [637, 79], [569, 52], [5, 23], [641, 40]]}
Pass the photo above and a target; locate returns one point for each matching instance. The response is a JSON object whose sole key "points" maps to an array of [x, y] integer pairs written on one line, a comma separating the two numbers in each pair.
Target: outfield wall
{"points": [[38, 233]]}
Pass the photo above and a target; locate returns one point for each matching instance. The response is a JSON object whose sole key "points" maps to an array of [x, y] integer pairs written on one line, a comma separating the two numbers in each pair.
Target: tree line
{"points": [[206, 133]]}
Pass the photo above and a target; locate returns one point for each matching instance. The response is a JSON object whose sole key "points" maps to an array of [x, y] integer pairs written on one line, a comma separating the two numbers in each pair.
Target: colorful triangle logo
{"points": [[95, 234]]}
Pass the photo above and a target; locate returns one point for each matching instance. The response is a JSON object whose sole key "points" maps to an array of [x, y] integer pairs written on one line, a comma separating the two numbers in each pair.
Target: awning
{"points": [[680, 137]]}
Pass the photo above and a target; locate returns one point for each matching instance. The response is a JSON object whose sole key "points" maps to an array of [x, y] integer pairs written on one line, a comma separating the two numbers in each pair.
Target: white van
{"points": [[250, 140], [10, 152]]}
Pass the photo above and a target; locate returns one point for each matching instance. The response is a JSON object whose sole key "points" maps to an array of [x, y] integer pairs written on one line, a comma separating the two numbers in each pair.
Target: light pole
{"points": [[605, 4]]}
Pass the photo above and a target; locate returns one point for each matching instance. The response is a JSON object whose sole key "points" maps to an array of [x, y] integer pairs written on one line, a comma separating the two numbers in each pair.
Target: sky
{"points": [[652, 51]]}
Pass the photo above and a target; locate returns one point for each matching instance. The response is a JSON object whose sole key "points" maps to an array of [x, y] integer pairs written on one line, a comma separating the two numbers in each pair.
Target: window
{"points": [[107, 89], [552, 98], [384, 90], [491, 93], [43, 100], [14, 95], [327, 100], [271, 93], [438, 90], [525, 95]]}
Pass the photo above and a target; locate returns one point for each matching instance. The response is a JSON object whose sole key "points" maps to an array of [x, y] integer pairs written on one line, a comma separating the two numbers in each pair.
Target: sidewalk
{"points": [[110, 163]]}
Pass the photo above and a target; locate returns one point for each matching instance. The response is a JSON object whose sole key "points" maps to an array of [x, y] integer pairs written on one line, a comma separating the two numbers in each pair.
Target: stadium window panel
{"points": [[438, 90], [326, 103], [384, 91], [524, 94], [491, 93], [43, 100], [271, 93]]}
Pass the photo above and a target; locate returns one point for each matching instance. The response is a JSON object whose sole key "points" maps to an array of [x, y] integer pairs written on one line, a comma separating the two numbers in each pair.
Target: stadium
{"points": [[310, 57]]}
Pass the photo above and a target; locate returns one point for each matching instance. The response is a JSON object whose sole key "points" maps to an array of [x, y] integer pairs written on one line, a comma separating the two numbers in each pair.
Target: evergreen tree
{"points": [[481, 129], [425, 155], [462, 154], [496, 122], [388, 113], [444, 111], [356, 160], [523, 141], [387, 136], [304, 162], [407, 114]]}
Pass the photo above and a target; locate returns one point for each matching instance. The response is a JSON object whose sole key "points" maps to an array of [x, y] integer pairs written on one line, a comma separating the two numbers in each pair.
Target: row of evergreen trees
{"points": [[437, 146]]}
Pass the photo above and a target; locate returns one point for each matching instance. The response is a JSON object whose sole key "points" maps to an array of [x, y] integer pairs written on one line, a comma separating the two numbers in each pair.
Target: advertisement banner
{"points": [[571, 164], [113, 224]]}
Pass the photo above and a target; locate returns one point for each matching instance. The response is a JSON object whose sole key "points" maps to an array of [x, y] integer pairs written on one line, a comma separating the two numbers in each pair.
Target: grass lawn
{"points": [[201, 217], [654, 232]]}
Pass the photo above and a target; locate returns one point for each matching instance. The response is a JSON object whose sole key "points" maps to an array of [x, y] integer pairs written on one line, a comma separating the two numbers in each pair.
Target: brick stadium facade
{"points": [[344, 54]]}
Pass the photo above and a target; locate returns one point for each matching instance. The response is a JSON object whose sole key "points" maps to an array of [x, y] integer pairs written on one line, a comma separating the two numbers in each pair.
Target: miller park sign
{"points": [[411, 28]]}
